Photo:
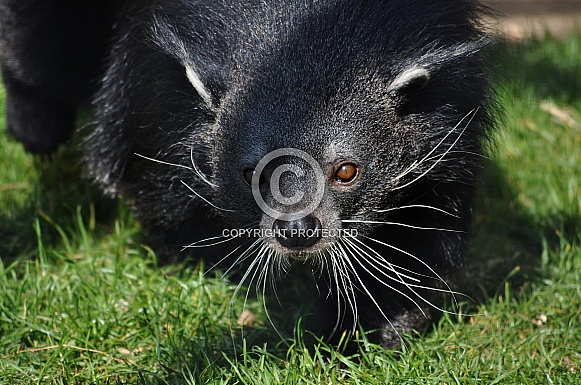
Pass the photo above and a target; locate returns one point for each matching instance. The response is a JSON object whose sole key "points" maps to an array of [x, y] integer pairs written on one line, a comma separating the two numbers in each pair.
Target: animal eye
{"points": [[346, 173], [249, 174]]}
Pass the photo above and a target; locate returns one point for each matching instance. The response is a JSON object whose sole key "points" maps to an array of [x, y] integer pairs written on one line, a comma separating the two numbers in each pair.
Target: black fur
{"points": [[386, 86], [51, 54]]}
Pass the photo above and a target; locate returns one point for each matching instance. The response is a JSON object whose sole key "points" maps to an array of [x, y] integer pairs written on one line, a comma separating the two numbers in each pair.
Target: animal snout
{"points": [[298, 234]]}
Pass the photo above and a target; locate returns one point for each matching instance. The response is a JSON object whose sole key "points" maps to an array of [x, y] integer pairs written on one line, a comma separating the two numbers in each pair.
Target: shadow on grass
{"points": [[56, 197], [505, 243], [549, 67], [507, 239]]}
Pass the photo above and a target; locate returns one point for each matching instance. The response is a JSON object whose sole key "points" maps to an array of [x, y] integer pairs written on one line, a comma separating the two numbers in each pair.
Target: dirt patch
{"points": [[519, 19], [535, 7]]}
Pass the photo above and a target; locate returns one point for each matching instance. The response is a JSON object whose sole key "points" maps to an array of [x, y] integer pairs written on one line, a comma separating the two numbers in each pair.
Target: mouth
{"points": [[300, 256]]}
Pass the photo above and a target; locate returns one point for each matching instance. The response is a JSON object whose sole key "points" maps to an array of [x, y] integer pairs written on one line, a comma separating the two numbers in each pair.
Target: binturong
{"points": [[325, 144]]}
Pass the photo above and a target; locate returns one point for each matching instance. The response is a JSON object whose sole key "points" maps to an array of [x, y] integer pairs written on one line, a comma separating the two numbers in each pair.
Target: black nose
{"points": [[299, 234]]}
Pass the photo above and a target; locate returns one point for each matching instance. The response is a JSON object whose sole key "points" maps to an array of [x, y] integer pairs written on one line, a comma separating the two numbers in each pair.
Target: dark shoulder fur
{"points": [[52, 53]]}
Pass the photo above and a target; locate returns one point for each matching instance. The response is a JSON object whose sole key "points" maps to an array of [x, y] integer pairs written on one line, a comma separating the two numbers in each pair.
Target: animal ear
{"points": [[195, 80], [409, 82]]}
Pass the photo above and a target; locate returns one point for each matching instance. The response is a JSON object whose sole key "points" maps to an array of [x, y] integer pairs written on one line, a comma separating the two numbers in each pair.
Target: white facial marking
{"points": [[198, 85], [408, 76]]}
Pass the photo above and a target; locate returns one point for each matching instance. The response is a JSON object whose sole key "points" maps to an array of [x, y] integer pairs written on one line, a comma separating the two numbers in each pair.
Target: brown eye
{"points": [[346, 173], [249, 174]]}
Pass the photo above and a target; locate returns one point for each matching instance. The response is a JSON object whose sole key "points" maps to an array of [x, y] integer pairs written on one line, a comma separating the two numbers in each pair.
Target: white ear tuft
{"points": [[413, 76], [199, 86]]}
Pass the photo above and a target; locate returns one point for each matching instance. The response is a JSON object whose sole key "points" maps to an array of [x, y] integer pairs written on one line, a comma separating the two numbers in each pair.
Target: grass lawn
{"points": [[82, 300]]}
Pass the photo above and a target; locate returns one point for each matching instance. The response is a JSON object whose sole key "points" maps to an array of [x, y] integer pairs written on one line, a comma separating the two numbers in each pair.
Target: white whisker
{"points": [[204, 199], [241, 258], [370, 296], [420, 261], [251, 270], [383, 262], [265, 256], [163, 162], [363, 255], [416, 164], [343, 287], [254, 265], [198, 244], [347, 282], [379, 260], [468, 153], [198, 172], [416, 206], [400, 224], [194, 168]]}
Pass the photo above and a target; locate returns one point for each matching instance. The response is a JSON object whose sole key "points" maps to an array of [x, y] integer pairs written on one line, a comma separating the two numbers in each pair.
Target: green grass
{"points": [[83, 301]]}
